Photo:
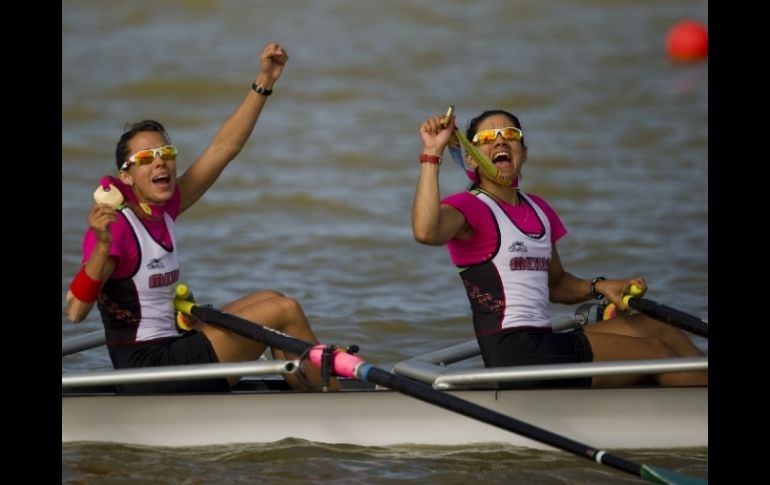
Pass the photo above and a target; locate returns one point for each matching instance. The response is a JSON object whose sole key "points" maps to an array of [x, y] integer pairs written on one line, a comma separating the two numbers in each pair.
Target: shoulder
{"points": [[475, 211], [545, 206], [541, 202], [466, 203], [461, 199], [558, 230]]}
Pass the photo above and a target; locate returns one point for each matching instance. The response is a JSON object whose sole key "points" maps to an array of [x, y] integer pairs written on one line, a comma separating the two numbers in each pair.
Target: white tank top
{"points": [[155, 281], [511, 288]]}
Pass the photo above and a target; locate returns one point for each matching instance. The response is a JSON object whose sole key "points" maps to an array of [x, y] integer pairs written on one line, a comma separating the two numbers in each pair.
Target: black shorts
{"points": [[532, 346], [192, 348]]}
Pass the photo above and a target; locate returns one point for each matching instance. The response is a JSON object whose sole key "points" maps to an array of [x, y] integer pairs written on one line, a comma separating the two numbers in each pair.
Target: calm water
{"points": [[318, 203]]}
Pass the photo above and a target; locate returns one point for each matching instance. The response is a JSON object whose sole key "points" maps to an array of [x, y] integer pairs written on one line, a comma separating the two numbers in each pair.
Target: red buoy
{"points": [[688, 41]]}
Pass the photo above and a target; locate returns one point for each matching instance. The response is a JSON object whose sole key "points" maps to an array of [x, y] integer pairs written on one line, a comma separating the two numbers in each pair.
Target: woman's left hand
{"points": [[615, 290]]}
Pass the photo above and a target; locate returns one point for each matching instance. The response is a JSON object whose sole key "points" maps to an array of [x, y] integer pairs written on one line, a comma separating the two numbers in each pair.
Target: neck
{"points": [[499, 192]]}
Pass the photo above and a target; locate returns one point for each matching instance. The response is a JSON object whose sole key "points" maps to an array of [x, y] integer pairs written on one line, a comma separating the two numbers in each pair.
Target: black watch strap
{"points": [[594, 293]]}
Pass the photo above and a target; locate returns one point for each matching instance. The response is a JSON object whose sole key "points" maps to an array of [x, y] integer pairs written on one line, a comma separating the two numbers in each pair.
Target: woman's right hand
{"points": [[99, 219], [435, 135]]}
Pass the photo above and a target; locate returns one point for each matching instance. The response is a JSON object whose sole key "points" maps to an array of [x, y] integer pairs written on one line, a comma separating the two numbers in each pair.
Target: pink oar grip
{"points": [[343, 363]]}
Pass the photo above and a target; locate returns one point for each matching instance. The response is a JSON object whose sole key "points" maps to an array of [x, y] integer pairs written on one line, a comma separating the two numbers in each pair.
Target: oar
{"points": [[351, 366], [672, 316]]}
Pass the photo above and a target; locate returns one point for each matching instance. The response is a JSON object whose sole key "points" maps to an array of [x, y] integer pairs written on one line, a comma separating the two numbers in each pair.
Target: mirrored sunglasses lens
{"points": [[486, 136], [511, 134], [143, 158], [167, 152]]}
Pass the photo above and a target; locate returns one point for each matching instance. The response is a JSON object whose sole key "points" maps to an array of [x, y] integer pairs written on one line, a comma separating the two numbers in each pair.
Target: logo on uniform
{"points": [[155, 263], [517, 247]]}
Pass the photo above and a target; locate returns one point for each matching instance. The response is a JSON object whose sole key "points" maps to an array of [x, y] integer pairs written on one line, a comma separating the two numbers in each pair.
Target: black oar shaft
{"points": [[672, 316], [250, 330]]}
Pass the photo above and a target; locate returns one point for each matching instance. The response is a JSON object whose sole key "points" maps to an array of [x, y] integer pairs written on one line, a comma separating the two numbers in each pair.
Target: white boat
{"points": [[262, 409]]}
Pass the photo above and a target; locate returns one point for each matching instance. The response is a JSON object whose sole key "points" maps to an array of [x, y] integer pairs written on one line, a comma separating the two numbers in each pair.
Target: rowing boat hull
{"points": [[649, 417]]}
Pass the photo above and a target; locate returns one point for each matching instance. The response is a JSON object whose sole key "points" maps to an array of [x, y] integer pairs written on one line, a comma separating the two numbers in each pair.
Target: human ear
{"points": [[469, 161], [126, 178]]}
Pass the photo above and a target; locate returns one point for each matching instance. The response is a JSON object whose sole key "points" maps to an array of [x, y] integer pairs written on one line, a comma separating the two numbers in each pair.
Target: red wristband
{"points": [[85, 288], [430, 159]]}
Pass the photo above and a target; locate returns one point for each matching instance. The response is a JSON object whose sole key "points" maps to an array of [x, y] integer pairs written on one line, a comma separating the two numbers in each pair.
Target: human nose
{"points": [[156, 155]]}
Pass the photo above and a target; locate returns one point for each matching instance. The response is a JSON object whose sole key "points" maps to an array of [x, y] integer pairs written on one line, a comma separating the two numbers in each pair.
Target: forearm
{"points": [[236, 130], [426, 212], [97, 268], [76, 309], [570, 289], [227, 143]]}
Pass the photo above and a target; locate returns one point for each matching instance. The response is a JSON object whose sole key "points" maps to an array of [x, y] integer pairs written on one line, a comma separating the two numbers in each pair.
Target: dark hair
{"points": [[132, 129], [473, 124]]}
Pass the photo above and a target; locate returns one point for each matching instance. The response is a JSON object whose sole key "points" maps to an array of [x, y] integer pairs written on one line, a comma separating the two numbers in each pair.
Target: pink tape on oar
{"points": [[343, 363]]}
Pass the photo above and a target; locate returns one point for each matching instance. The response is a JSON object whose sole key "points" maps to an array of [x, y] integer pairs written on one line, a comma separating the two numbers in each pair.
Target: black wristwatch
{"points": [[261, 90], [597, 296]]}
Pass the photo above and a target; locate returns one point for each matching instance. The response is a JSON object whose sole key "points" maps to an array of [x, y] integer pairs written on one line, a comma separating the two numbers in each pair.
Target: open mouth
{"points": [[502, 158], [161, 180]]}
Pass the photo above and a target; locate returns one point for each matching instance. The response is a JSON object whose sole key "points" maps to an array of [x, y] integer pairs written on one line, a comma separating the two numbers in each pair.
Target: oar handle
{"points": [[611, 310], [183, 294], [184, 306]]}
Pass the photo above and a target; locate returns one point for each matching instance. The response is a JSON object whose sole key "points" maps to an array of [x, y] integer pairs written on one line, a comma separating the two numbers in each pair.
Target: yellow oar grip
{"points": [[182, 291], [634, 291], [626, 298], [611, 311], [183, 304]]}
